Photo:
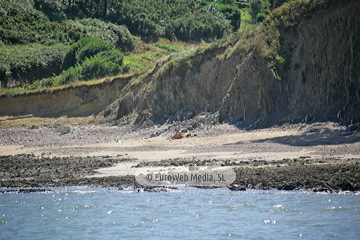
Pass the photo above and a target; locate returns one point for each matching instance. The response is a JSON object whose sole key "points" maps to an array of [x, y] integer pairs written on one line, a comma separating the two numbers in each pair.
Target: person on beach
{"points": [[177, 135]]}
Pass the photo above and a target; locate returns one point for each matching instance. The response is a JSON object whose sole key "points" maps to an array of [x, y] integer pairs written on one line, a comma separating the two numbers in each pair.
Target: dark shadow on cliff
{"points": [[311, 139]]}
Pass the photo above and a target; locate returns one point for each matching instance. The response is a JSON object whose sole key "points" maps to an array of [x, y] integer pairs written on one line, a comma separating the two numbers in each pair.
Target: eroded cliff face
{"points": [[241, 87], [320, 80], [323, 77], [74, 101]]}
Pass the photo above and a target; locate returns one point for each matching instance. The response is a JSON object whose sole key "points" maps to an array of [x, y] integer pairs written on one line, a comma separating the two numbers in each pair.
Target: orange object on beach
{"points": [[177, 135]]}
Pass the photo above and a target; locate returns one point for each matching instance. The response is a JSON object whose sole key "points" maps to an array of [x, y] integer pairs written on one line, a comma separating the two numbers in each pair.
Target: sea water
{"points": [[188, 213]]}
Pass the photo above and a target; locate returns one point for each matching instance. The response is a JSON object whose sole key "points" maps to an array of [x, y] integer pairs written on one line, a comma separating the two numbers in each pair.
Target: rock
{"points": [[63, 129], [236, 187], [312, 130], [346, 186], [178, 117], [287, 186], [189, 115], [156, 189], [325, 130], [322, 189], [195, 125], [353, 127], [26, 190], [346, 133]]}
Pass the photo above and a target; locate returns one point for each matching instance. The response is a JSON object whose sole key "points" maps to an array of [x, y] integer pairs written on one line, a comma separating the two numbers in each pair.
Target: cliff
{"points": [[319, 81]]}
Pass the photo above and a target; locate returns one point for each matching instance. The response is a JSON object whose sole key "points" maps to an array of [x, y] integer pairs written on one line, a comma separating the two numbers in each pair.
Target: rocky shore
{"points": [[22, 171], [29, 171], [317, 156]]}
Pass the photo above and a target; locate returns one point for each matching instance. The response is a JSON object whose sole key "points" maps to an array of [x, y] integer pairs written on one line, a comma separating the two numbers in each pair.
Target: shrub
{"points": [[29, 62], [104, 64], [21, 23], [260, 17], [43, 21], [255, 8], [112, 55], [186, 20], [97, 67], [70, 75], [233, 14], [54, 10], [119, 35], [84, 48], [169, 47]]}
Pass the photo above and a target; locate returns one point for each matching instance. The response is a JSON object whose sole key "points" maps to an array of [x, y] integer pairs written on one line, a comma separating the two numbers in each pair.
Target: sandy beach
{"points": [[103, 155]]}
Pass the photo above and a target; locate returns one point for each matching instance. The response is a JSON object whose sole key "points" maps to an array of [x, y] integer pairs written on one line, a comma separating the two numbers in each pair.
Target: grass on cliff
{"points": [[140, 61]]}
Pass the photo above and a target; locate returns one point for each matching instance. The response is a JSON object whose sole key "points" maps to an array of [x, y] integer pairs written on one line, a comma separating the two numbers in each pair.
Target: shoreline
{"points": [[318, 156], [287, 174]]}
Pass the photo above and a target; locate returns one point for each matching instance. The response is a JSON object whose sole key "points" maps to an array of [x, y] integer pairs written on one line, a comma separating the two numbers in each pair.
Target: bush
{"points": [[54, 10], [233, 14], [112, 55], [97, 67], [260, 17], [84, 48], [187, 20], [104, 64], [70, 75], [119, 35], [30, 62], [169, 47], [21, 23]]}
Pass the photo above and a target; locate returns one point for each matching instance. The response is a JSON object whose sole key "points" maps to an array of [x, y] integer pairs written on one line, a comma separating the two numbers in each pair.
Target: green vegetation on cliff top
{"points": [[48, 43], [36, 35]]}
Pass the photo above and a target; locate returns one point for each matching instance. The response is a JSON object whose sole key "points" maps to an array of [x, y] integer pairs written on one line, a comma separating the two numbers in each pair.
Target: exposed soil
{"points": [[318, 156]]}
